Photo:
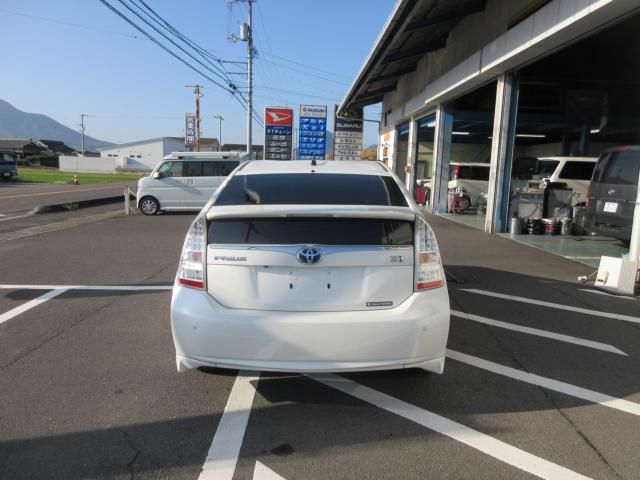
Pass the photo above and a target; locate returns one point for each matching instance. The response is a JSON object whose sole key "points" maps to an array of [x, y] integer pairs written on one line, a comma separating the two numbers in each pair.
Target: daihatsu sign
{"points": [[278, 131]]}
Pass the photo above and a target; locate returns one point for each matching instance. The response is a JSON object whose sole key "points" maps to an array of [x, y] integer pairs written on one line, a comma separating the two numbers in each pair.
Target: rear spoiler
{"points": [[293, 211]]}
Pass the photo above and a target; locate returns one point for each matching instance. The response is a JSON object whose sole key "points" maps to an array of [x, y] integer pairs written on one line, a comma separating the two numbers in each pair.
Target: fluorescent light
{"points": [[530, 135], [595, 130], [460, 133]]}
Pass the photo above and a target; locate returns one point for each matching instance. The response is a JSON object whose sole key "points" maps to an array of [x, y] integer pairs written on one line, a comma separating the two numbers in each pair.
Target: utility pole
{"points": [[220, 119], [249, 40], [82, 115], [198, 94], [246, 35]]}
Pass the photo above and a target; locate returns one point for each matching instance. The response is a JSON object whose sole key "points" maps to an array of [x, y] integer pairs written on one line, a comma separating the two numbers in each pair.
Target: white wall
{"points": [[87, 164], [144, 156]]}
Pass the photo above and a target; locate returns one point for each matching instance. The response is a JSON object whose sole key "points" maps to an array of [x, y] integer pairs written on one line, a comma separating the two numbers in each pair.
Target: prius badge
{"points": [[309, 255]]}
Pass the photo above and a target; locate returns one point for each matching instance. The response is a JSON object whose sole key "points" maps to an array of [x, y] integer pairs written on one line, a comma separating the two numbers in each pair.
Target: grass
{"points": [[53, 175]]}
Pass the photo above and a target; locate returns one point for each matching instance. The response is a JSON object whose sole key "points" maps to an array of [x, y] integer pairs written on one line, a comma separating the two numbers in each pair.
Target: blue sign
{"points": [[313, 130]]}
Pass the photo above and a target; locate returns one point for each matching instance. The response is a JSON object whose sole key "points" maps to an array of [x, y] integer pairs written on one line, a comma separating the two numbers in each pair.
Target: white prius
{"points": [[310, 267]]}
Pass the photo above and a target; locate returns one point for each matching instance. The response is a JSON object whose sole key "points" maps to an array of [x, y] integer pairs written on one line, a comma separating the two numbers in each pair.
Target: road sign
{"points": [[313, 130], [189, 131], [278, 131]]}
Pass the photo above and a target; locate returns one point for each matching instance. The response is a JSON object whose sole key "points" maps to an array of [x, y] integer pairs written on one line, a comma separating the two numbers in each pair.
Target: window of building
{"points": [[402, 149]]}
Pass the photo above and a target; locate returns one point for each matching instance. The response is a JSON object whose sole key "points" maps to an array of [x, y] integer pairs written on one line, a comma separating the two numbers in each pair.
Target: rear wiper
{"points": [[251, 195]]}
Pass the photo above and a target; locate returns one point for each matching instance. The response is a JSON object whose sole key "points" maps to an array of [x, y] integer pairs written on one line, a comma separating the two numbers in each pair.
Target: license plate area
{"points": [[314, 282], [610, 207]]}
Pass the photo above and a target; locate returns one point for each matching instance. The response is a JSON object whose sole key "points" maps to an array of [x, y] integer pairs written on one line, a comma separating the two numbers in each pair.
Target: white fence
{"points": [[87, 164]]}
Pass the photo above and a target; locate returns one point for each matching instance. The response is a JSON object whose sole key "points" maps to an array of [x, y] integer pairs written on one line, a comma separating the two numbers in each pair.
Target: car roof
{"points": [[471, 164], [571, 159], [362, 167]]}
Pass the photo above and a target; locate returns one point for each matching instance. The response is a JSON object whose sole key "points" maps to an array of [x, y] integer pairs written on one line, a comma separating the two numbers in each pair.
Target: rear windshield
{"points": [[312, 189], [322, 231], [622, 169], [577, 170]]}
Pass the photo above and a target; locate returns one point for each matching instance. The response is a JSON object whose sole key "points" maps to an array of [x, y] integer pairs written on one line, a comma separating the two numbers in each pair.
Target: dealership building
{"points": [[498, 83]]}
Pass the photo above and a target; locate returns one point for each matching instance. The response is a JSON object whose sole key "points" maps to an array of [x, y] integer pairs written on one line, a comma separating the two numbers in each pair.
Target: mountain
{"points": [[18, 124]]}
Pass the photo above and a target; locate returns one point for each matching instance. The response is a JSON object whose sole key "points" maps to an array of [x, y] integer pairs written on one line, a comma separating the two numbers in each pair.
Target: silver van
{"points": [[185, 180], [612, 194]]}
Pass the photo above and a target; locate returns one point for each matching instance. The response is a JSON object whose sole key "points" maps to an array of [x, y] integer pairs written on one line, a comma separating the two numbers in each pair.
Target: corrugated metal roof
{"points": [[414, 28]]}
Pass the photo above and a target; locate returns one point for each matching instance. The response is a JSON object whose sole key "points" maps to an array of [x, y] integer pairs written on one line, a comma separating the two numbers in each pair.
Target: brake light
{"points": [[588, 195], [456, 172], [191, 271], [429, 272]]}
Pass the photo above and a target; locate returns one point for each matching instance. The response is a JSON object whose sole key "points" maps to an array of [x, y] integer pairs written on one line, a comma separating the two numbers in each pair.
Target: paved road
{"points": [[17, 197], [89, 387]]}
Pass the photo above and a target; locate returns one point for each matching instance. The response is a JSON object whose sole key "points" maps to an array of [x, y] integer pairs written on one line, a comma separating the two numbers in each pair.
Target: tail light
{"points": [[428, 268], [588, 196], [191, 272], [456, 172]]}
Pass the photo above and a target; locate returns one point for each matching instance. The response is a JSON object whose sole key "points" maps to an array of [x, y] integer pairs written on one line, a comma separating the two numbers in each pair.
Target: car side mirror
{"points": [[156, 175]]}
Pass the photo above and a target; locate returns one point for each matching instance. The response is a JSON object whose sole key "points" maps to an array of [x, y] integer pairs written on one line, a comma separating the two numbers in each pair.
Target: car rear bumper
{"points": [[412, 335], [620, 231]]}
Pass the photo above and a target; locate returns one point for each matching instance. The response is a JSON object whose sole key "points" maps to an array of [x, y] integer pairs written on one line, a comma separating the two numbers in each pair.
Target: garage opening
{"points": [[573, 107], [469, 155]]}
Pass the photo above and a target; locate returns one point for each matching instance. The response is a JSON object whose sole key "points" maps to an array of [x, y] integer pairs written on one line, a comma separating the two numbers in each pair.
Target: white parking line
{"points": [[491, 446], [30, 304], [221, 460], [540, 333], [262, 472], [548, 383], [123, 288], [615, 316]]}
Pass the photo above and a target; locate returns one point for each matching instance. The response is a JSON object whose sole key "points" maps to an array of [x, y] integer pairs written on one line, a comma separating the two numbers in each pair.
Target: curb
{"points": [[67, 206]]}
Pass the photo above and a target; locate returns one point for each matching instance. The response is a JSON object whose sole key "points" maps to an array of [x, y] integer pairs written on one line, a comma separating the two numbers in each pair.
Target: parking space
{"points": [[541, 381]]}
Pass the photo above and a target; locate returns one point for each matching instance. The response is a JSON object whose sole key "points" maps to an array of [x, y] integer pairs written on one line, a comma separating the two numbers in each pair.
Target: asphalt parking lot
{"points": [[542, 379]]}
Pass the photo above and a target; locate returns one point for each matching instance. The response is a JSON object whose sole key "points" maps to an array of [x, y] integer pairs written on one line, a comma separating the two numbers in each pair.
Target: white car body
{"points": [[263, 307], [185, 191], [578, 185]]}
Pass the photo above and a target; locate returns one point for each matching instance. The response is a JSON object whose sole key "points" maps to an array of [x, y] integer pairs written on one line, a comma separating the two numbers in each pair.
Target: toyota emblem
{"points": [[309, 255]]}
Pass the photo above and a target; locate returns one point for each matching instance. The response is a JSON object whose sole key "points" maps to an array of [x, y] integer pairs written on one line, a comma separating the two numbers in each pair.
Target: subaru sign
{"points": [[348, 135], [313, 130]]}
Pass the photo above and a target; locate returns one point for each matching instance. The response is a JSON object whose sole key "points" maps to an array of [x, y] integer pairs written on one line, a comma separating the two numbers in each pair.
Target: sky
{"points": [[79, 57]]}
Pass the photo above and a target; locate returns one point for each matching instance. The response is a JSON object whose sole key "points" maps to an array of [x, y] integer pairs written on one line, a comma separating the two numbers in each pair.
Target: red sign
{"points": [[278, 116]]}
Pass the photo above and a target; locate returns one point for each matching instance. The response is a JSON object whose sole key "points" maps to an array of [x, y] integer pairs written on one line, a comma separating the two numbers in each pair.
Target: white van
{"points": [[185, 180], [574, 171]]}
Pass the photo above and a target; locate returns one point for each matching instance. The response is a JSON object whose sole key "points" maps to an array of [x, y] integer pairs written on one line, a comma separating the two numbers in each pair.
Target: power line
{"points": [[164, 47], [302, 94], [70, 24], [310, 66], [231, 88], [207, 55], [306, 73], [219, 75], [266, 35]]}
